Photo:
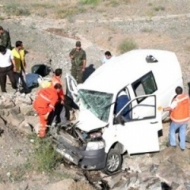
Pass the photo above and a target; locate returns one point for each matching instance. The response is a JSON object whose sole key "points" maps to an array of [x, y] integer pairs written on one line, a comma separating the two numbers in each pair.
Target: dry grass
{"points": [[81, 185]]}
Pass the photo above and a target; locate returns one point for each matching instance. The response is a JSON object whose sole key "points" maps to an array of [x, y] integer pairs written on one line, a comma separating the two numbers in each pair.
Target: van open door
{"points": [[139, 133], [71, 87]]}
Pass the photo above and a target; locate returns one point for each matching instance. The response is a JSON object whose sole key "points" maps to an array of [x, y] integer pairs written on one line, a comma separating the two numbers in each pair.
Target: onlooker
{"points": [[19, 57], [78, 61], [58, 116], [5, 39], [107, 57], [180, 115], [7, 66], [44, 104]]}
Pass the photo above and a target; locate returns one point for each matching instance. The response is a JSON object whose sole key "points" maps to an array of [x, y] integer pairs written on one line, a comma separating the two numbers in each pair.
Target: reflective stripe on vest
{"points": [[45, 98], [51, 106], [181, 112]]}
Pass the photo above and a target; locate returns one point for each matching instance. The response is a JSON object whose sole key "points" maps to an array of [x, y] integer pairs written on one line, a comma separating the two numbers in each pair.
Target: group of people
{"points": [[12, 62], [78, 61]]}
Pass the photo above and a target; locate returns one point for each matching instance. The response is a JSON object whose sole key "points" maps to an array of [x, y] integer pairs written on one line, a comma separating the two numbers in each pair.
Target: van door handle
{"points": [[153, 122]]}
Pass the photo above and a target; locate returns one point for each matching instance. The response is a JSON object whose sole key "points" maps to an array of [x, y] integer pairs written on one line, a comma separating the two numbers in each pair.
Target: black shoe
{"points": [[182, 149]]}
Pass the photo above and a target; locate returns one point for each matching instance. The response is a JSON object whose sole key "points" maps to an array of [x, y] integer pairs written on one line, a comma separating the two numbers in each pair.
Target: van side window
{"points": [[144, 86]]}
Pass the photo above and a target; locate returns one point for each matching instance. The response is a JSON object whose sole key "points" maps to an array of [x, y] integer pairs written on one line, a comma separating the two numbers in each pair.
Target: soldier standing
{"points": [[5, 39], [78, 61]]}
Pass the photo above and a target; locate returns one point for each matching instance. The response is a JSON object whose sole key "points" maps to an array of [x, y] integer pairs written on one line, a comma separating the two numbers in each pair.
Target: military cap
{"points": [[78, 44]]}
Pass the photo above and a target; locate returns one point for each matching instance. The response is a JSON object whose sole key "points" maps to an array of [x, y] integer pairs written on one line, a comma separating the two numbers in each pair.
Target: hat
{"points": [[78, 44]]}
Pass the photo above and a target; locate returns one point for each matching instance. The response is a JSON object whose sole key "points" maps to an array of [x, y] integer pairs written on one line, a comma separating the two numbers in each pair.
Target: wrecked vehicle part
{"points": [[88, 153], [95, 102]]}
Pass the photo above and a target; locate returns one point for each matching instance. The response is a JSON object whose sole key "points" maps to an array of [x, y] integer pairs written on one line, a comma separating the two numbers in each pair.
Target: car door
{"points": [[139, 134], [71, 87]]}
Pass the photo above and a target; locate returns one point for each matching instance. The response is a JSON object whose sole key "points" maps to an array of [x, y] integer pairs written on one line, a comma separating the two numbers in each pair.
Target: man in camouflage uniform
{"points": [[78, 61], [5, 39]]}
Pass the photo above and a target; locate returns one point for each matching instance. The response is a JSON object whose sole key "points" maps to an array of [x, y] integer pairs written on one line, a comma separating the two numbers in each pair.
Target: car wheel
{"points": [[113, 162]]}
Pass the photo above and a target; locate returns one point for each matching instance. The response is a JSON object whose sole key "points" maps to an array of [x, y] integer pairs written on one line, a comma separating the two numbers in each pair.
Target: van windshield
{"points": [[98, 103]]}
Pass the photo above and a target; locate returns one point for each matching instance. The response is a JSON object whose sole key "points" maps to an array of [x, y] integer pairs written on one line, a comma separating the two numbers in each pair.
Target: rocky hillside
{"points": [[49, 30]]}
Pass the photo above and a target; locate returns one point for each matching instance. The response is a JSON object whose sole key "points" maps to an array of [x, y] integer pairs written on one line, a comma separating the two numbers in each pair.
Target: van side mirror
{"points": [[119, 120]]}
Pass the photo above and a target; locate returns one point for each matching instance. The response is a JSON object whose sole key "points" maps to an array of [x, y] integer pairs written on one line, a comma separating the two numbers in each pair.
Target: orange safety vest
{"points": [[181, 113], [45, 100], [54, 81]]}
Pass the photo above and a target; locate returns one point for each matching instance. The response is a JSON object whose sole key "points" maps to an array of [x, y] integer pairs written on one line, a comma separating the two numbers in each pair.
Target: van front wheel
{"points": [[113, 162]]}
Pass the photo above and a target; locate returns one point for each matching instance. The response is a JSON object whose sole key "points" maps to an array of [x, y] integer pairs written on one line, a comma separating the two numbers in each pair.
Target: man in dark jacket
{"points": [[5, 39]]}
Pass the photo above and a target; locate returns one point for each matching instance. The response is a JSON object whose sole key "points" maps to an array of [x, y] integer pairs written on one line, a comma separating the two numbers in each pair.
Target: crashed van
{"points": [[103, 133]]}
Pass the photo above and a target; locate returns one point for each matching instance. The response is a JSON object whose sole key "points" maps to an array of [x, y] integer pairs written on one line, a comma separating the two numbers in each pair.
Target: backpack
{"points": [[41, 69]]}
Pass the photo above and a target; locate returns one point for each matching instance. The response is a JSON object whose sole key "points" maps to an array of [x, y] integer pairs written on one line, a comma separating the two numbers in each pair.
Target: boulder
{"points": [[114, 180], [152, 183], [15, 119], [26, 109], [23, 99], [6, 104], [181, 159], [163, 155], [25, 128], [170, 172], [15, 110], [32, 121]]}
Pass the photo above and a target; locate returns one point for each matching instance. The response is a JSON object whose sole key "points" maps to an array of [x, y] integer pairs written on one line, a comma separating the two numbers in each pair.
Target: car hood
{"points": [[87, 121]]}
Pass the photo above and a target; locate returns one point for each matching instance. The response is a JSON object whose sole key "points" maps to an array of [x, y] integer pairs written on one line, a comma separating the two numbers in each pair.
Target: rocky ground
{"points": [[150, 24]]}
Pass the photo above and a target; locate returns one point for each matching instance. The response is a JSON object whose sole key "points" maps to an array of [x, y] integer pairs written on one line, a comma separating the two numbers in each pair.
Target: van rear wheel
{"points": [[113, 162]]}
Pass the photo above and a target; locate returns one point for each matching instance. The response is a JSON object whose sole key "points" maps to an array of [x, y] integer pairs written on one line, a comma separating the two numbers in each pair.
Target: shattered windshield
{"points": [[98, 103]]}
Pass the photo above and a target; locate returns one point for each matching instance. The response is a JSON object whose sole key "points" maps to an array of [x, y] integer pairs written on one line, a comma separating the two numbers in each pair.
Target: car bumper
{"points": [[86, 159]]}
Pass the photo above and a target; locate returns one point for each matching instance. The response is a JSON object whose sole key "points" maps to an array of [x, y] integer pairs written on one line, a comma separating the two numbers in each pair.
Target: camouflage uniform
{"points": [[77, 64], [5, 40]]}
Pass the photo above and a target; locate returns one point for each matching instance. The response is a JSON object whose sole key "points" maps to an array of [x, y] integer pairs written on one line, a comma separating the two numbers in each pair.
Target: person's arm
{"points": [[171, 107], [71, 54], [84, 65], [167, 109], [13, 62], [4, 39], [84, 62], [24, 62]]}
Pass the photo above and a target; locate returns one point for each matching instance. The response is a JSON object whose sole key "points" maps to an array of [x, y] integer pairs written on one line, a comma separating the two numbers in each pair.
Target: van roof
{"points": [[127, 68]]}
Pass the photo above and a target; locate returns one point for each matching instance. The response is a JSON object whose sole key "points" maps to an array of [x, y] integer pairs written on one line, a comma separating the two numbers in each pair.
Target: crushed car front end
{"points": [[86, 150]]}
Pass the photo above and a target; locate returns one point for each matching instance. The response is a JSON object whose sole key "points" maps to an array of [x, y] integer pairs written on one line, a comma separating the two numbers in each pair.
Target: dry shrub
{"points": [[81, 185], [127, 45]]}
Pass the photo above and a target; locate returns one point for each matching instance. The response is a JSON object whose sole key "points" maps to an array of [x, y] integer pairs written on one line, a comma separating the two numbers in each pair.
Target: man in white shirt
{"points": [[107, 57], [7, 67]]}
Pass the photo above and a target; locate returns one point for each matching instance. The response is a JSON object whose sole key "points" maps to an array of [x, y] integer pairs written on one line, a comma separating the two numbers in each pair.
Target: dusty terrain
{"points": [[49, 30]]}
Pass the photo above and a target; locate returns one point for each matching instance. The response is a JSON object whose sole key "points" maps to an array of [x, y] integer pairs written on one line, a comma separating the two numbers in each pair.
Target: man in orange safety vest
{"points": [[58, 116], [44, 104], [180, 115]]}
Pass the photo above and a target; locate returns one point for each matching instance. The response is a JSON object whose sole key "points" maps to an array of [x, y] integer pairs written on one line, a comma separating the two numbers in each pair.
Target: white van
{"points": [[121, 108]]}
